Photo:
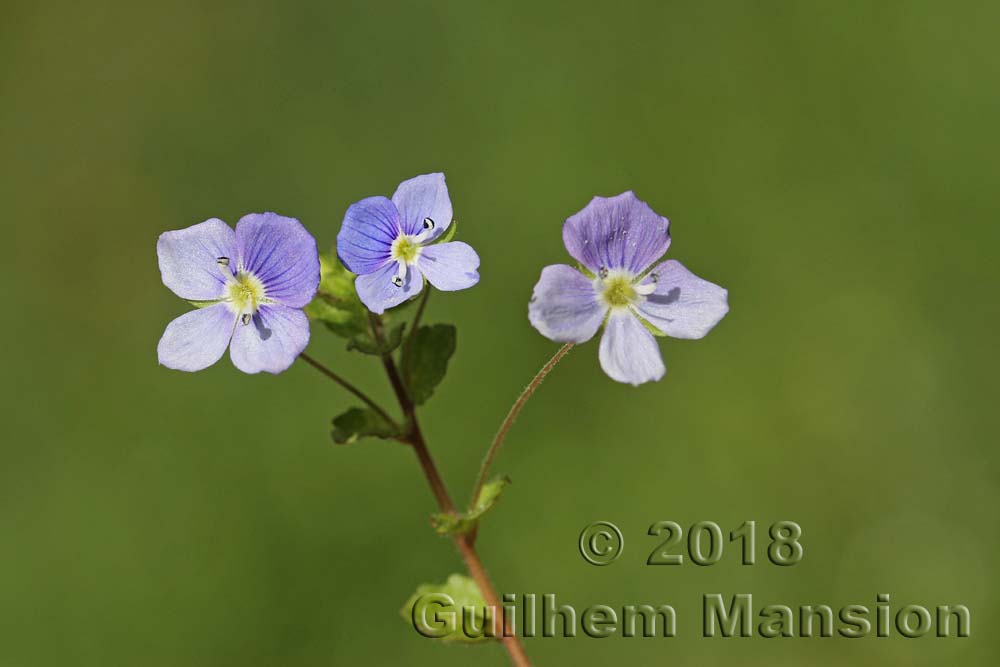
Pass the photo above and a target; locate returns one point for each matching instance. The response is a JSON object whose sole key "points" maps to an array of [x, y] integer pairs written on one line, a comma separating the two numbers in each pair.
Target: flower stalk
{"points": [[508, 421], [349, 387]]}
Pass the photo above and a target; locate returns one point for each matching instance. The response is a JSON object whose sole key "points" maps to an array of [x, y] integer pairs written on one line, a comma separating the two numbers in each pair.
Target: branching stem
{"points": [[415, 438]]}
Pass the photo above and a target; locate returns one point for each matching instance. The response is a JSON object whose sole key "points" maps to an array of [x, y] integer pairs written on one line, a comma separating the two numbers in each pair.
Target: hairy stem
{"points": [[508, 421], [415, 438], [349, 387]]}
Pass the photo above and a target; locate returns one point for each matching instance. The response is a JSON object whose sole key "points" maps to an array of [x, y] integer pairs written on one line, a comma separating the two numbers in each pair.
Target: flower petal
{"points": [[364, 241], [564, 305], [282, 254], [629, 352], [683, 305], [189, 259], [449, 266], [620, 232], [271, 341], [379, 293], [197, 339], [423, 197]]}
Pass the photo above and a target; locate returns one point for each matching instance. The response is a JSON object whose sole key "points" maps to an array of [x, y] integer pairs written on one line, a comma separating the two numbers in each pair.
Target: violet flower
{"points": [[617, 240], [250, 286], [388, 244]]}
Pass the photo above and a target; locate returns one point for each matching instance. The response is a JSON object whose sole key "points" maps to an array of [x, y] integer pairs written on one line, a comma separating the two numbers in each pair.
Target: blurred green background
{"points": [[832, 164]]}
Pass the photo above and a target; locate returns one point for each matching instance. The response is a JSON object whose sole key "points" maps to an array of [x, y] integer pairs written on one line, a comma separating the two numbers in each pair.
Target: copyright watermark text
{"points": [[436, 615]]}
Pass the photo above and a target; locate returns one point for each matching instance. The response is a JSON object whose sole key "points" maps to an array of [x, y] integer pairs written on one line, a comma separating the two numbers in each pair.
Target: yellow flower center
{"points": [[245, 293], [618, 291], [405, 248]]}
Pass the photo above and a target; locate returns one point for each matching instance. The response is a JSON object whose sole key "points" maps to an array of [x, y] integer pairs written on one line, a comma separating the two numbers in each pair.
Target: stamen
{"points": [[245, 318], [426, 234], [397, 279], [602, 272], [645, 289], [429, 226], [223, 264]]}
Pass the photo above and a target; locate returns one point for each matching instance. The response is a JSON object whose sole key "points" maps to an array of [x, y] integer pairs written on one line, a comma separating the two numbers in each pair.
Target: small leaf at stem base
{"points": [[456, 524], [454, 612]]}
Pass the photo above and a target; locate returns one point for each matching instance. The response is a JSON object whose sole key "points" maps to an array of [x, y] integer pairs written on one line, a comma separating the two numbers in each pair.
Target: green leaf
{"points": [[203, 304], [489, 495], [449, 233], [358, 423], [425, 359], [336, 303], [436, 611], [649, 326], [451, 524], [365, 343]]}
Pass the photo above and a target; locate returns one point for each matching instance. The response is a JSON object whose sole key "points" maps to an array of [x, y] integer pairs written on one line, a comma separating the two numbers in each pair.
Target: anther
{"points": [[222, 261], [654, 277], [428, 224], [245, 318], [603, 272], [397, 281]]}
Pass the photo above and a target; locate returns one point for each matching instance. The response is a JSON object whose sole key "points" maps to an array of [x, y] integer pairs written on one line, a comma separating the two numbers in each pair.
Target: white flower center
{"points": [[243, 293], [619, 289], [405, 248]]}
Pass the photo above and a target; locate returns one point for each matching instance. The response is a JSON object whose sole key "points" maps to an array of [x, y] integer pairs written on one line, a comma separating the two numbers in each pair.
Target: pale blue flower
{"points": [[251, 286], [617, 240]]}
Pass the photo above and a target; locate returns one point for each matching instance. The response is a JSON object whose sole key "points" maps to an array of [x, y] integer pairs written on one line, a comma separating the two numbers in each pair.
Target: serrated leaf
{"points": [[425, 359], [365, 343], [358, 423], [455, 524], [336, 303], [436, 611]]}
